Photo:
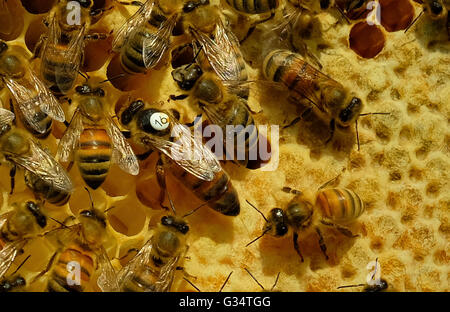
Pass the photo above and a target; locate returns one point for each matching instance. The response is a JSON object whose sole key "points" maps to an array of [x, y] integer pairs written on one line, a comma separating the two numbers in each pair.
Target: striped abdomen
{"points": [[58, 75], [253, 6], [290, 69], [40, 187], [82, 259], [94, 156], [340, 205], [219, 193], [43, 120]]}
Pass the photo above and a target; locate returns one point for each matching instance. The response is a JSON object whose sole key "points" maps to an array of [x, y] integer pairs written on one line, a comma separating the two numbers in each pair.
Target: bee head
{"points": [[93, 223], [350, 113], [3, 47], [85, 3], [435, 8], [86, 89], [35, 210], [176, 223], [276, 224], [187, 75], [128, 114]]}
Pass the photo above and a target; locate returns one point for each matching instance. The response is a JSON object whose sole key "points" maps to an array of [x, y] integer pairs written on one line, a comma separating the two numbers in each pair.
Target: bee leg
{"points": [[340, 228], [134, 3], [161, 178], [12, 174], [332, 130], [178, 97], [97, 12], [49, 266], [69, 167], [11, 107], [296, 247], [96, 36], [128, 253], [322, 245], [186, 274], [287, 189]]}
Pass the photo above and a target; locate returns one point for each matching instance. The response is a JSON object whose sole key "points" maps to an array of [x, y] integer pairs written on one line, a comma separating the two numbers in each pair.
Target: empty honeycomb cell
{"points": [[80, 200], [395, 176], [405, 135], [127, 216], [395, 94], [444, 228], [118, 182], [441, 257], [366, 40], [415, 173], [96, 52], [419, 239], [11, 15], [413, 108], [428, 278], [409, 213], [357, 160], [433, 188], [182, 55], [348, 271], [34, 32], [123, 80], [396, 14]]}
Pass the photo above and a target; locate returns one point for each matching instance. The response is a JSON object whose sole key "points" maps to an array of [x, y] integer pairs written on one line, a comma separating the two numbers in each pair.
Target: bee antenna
{"points": [[171, 203], [195, 57], [59, 222], [254, 278], [192, 284], [85, 76], [90, 197], [226, 281], [113, 78], [276, 281], [112, 207], [263, 233], [194, 210], [20, 265], [414, 21], [341, 12], [257, 210], [367, 114]]}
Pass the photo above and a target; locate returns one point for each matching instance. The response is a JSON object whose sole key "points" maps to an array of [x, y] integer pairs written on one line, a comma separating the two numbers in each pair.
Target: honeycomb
{"points": [[401, 170]]}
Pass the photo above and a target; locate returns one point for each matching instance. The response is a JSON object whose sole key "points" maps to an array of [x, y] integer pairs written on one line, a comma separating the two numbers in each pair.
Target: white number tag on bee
{"points": [[159, 121]]}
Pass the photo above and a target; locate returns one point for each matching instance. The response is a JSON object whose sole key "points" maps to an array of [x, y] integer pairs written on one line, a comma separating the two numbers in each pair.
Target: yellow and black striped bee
{"points": [[336, 206], [223, 109], [189, 161], [304, 81], [46, 177], [25, 221], [36, 105], [218, 48], [153, 268], [93, 140], [14, 282], [145, 37], [265, 9], [80, 253], [61, 49]]}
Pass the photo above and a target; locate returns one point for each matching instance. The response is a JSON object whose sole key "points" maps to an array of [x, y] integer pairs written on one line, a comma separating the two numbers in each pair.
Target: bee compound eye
{"points": [[85, 3], [166, 220], [3, 47], [436, 8], [184, 229]]}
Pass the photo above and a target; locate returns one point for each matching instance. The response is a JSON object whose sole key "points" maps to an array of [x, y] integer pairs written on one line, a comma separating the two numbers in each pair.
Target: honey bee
{"points": [[189, 161], [306, 82], [220, 50], [25, 221], [222, 108], [153, 268], [437, 10], [45, 175], [94, 140], [337, 206], [14, 282], [80, 245], [36, 104], [61, 49], [145, 37]]}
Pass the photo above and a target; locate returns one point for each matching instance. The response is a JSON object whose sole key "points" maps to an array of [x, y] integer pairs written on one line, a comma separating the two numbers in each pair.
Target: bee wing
{"points": [[139, 18], [70, 61], [6, 117], [48, 103], [44, 166], [62, 236], [8, 254], [107, 280], [155, 46], [141, 259], [69, 141], [188, 152], [122, 154], [222, 52], [166, 274]]}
